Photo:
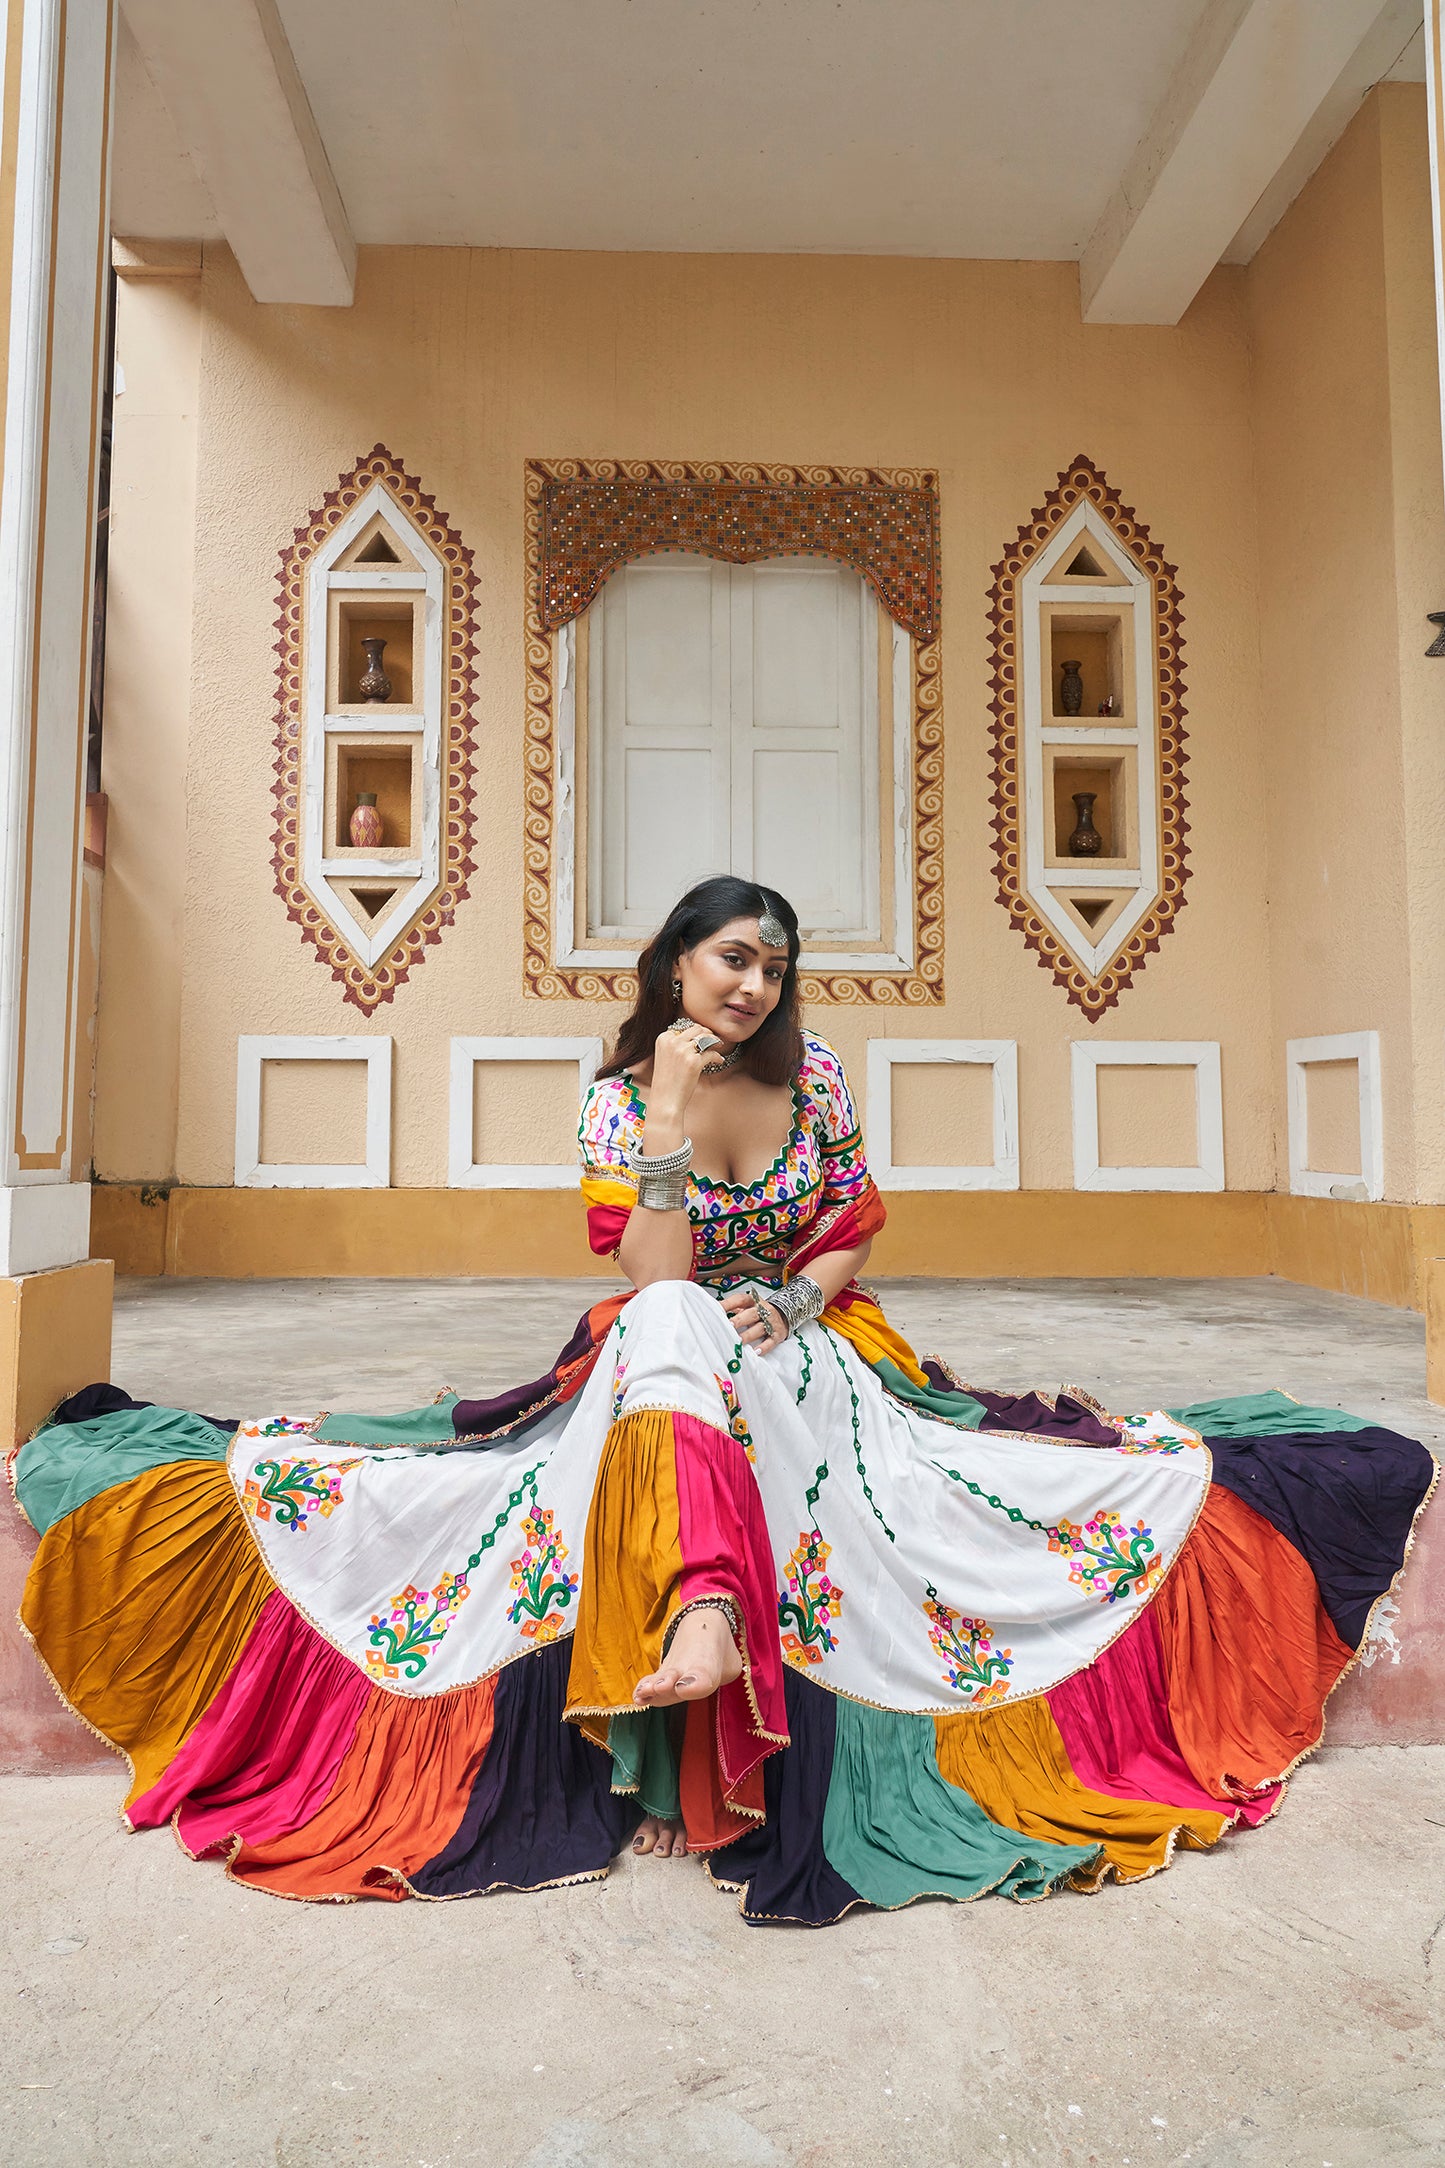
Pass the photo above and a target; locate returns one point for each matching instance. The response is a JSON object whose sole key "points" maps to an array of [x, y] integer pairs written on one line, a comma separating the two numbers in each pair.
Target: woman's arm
{"points": [[658, 1245]]}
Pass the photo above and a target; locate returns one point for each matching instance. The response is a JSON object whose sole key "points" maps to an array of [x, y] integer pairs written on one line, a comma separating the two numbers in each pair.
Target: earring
{"points": [[677, 991]]}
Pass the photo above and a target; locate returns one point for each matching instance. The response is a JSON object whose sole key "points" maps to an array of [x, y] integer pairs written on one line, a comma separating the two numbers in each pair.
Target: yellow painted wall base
{"points": [[1434, 1277], [1376, 1250], [54, 1338]]}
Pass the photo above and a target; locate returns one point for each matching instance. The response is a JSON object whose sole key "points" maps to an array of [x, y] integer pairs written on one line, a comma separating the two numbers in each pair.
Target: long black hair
{"points": [[774, 1053]]}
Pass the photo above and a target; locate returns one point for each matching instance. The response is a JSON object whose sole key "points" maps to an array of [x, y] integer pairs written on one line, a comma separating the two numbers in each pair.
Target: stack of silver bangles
{"points": [[796, 1304], [662, 1182]]}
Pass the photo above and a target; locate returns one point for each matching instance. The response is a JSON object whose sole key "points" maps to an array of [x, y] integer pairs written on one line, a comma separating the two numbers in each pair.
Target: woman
{"points": [[739, 1576]]}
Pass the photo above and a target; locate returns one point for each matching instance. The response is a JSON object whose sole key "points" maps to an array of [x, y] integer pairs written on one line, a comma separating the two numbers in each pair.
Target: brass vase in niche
{"points": [[365, 827], [1071, 690], [375, 684], [1086, 841]]}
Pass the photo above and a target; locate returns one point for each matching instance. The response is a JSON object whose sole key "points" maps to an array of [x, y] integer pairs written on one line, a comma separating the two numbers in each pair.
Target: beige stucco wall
{"points": [[466, 363], [1282, 444], [1350, 542]]}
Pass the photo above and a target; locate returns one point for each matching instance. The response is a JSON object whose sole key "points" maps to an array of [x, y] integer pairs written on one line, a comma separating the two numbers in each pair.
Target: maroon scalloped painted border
{"points": [[1081, 478]]}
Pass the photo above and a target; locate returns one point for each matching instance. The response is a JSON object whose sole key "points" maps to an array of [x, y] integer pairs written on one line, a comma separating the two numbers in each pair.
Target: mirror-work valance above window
{"points": [[595, 519]]}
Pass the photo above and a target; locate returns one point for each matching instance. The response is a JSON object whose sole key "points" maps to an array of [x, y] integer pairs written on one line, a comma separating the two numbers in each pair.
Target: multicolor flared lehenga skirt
{"points": [[988, 1645]]}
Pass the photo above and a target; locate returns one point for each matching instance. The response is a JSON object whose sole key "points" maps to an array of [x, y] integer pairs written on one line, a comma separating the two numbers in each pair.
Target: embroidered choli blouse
{"points": [[741, 1230]]}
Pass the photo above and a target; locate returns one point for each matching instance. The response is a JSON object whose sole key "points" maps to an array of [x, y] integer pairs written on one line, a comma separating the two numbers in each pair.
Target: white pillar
{"points": [[58, 58]]}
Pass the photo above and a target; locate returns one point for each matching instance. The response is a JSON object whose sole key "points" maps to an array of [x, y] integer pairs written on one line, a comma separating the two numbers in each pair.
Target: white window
{"points": [[738, 719]]}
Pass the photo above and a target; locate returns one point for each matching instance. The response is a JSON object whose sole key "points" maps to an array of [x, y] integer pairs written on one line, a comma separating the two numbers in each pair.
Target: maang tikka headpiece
{"points": [[772, 929]]}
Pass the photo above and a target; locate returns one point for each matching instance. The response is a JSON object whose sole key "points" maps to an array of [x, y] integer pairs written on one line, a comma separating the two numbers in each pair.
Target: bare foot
{"points": [[703, 1657], [662, 1839]]}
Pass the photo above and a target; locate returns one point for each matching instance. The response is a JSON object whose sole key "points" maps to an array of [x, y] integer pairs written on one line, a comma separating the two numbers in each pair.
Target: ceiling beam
{"points": [[1253, 79], [230, 83]]}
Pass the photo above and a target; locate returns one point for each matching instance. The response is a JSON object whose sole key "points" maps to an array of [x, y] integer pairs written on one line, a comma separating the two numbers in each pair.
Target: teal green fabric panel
{"points": [[961, 1409], [643, 1761], [431, 1425], [896, 1829], [1263, 1415], [70, 1463]]}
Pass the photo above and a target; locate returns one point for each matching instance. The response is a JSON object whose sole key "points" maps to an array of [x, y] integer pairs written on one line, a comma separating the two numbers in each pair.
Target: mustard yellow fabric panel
{"points": [[1012, 1761], [140, 1602]]}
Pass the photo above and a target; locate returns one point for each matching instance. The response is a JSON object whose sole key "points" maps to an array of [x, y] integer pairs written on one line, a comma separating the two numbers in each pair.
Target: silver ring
{"points": [[707, 1042]]}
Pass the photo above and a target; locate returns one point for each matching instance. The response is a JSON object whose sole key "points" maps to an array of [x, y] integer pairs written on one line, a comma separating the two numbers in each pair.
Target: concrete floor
{"points": [[1277, 2004]]}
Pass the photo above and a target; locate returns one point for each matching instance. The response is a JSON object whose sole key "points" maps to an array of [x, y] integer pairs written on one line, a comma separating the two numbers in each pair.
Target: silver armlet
{"points": [[662, 1182], [662, 1192]]}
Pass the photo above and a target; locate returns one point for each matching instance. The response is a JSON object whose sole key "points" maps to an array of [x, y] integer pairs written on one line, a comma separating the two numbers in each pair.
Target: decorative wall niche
{"points": [[1087, 697], [377, 563]]}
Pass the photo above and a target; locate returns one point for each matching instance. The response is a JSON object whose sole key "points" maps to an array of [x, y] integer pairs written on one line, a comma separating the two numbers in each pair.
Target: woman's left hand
{"points": [[760, 1329]]}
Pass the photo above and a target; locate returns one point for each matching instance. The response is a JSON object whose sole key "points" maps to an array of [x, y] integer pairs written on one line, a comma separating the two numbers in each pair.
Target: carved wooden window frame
{"points": [[884, 522], [1092, 975]]}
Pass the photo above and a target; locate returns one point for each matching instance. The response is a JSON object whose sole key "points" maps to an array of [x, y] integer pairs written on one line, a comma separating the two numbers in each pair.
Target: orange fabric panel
{"points": [[710, 1815], [1013, 1763], [141, 1601], [398, 1799], [632, 1570], [1249, 1651]]}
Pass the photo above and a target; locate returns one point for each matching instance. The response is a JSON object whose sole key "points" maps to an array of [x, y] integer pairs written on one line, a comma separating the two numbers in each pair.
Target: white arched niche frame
{"points": [[378, 562], [1092, 905]]}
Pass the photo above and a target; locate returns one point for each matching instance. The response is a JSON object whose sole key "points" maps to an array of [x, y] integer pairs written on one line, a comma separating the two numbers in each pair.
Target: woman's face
{"points": [[732, 981]]}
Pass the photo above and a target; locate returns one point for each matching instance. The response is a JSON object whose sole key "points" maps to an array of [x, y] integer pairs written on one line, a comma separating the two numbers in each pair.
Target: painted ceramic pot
{"points": [[1071, 689], [365, 825], [1086, 841], [375, 684]]}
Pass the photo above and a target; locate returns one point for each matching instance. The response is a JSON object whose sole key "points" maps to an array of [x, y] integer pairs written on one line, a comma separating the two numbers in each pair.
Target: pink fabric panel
{"points": [[263, 1758], [1114, 1722], [726, 1552]]}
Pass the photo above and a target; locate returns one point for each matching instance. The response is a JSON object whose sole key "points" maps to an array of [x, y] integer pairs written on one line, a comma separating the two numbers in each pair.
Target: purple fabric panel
{"points": [[264, 1756], [542, 1808], [782, 1861], [1070, 1420], [1346, 1500], [472, 1416], [1114, 1721]]}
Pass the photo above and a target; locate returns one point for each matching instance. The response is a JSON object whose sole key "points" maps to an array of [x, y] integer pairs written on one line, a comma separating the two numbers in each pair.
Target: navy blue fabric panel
{"points": [[782, 1861], [542, 1808], [106, 1399], [1346, 1502]]}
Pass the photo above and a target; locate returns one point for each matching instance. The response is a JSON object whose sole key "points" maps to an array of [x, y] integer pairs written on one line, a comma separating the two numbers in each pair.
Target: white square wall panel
{"points": [[252, 1172], [466, 1172], [1362, 1048], [998, 1055], [1206, 1172]]}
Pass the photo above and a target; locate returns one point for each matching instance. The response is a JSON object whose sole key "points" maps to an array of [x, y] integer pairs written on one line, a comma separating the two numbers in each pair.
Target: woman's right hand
{"points": [[678, 1062]]}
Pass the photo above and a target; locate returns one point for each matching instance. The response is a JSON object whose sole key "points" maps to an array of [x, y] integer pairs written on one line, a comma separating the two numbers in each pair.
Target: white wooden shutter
{"points": [[658, 683], [805, 737], [734, 728]]}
